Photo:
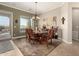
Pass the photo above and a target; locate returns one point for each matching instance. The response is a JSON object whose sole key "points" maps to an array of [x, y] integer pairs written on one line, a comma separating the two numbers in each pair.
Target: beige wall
{"points": [[64, 11], [48, 17], [16, 15]]}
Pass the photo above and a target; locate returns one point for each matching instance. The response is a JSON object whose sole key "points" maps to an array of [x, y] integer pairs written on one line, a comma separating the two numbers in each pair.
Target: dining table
{"points": [[40, 33]]}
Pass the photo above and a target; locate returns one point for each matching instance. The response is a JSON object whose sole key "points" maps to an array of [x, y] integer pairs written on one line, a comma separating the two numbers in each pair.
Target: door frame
{"points": [[11, 20]]}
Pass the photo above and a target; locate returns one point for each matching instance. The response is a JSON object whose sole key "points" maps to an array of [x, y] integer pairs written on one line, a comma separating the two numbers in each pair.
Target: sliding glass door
{"points": [[4, 25]]}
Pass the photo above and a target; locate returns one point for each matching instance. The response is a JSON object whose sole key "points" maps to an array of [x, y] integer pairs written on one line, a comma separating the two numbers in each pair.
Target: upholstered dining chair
{"points": [[47, 37], [31, 36], [27, 34]]}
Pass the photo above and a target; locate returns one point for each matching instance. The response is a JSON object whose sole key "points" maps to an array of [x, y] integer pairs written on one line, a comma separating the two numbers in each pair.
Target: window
{"points": [[23, 24], [4, 24]]}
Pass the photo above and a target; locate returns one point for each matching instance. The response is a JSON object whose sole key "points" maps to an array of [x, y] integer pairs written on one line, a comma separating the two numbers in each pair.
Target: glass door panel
{"points": [[4, 25]]}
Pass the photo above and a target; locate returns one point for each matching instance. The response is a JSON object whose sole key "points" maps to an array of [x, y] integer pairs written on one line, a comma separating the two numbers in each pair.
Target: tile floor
{"points": [[66, 50], [62, 50], [14, 52]]}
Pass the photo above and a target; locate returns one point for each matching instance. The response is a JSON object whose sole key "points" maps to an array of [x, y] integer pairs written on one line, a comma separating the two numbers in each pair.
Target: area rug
{"points": [[5, 46], [29, 49]]}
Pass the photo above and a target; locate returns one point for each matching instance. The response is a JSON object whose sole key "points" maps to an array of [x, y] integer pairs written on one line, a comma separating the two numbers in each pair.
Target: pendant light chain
{"points": [[35, 10], [35, 17]]}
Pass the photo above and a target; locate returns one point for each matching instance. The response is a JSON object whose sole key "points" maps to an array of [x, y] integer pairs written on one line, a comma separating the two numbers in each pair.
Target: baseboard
{"points": [[18, 37], [59, 38], [76, 39], [66, 42]]}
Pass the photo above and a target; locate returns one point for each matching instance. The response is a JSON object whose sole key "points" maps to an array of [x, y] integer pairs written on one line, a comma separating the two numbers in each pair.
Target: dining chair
{"points": [[47, 37], [31, 36]]}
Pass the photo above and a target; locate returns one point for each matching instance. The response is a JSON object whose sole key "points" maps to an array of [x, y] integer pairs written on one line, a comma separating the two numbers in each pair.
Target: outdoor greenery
{"points": [[2, 27]]}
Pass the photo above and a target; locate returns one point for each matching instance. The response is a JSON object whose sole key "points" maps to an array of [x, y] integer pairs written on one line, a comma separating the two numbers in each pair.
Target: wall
{"points": [[66, 12], [47, 18], [16, 15]]}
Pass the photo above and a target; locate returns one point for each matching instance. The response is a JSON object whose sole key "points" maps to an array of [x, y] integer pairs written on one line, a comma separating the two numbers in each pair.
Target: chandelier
{"points": [[35, 17]]}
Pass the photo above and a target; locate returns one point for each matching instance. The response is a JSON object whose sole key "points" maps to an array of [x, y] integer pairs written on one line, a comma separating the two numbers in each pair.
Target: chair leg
{"points": [[47, 43], [29, 40], [51, 41]]}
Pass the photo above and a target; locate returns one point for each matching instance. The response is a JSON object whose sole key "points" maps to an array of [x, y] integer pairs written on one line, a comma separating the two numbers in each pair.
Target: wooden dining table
{"points": [[40, 33]]}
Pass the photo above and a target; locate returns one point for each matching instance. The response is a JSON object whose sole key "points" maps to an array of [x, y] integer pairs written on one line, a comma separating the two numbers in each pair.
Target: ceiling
{"points": [[42, 7]]}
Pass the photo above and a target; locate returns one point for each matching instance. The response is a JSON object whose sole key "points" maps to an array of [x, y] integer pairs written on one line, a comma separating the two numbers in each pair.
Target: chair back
{"points": [[30, 32], [50, 34]]}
